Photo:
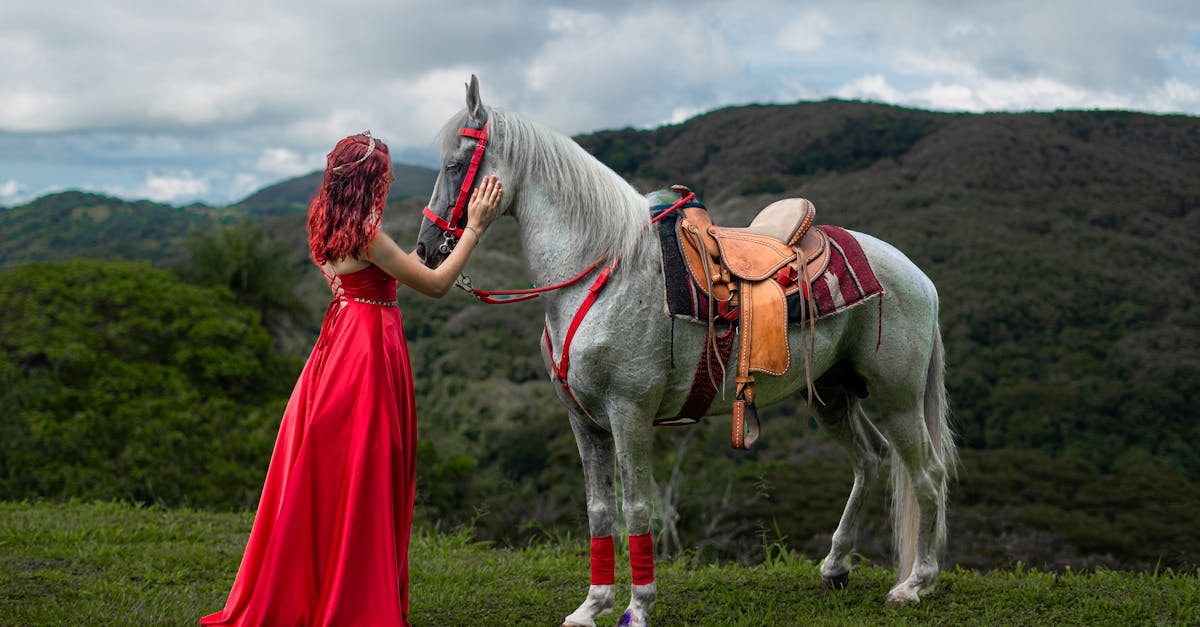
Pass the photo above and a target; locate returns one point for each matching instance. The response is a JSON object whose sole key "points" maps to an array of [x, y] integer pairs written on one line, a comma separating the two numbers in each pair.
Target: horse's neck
{"points": [[552, 250], [556, 253]]}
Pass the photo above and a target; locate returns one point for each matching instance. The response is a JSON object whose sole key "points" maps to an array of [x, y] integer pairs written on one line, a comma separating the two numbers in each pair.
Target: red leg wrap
{"points": [[641, 558], [603, 561]]}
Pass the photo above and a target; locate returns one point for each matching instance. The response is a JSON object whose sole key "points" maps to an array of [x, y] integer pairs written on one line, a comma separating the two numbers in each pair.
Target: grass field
{"points": [[117, 564]]}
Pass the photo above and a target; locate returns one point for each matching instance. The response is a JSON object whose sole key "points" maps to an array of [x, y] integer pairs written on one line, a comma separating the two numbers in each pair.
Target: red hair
{"points": [[345, 214]]}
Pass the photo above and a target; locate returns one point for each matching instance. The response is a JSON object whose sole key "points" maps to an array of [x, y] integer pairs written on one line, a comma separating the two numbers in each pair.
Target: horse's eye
{"points": [[452, 166]]}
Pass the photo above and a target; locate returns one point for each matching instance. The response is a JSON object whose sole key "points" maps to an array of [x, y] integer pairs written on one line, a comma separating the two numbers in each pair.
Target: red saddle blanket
{"points": [[848, 281]]}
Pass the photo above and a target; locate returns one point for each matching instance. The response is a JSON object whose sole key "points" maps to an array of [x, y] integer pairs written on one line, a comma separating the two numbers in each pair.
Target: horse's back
{"points": [[895, 270], [891, 341]]}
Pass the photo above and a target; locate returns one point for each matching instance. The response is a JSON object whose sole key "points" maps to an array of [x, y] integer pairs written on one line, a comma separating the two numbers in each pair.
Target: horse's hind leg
{"points": [[596, 452], [919, 499], [843, 419]]}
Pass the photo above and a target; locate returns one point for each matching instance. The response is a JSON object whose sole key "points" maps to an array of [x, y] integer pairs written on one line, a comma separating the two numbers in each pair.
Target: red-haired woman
{"points": [[330, 541]]}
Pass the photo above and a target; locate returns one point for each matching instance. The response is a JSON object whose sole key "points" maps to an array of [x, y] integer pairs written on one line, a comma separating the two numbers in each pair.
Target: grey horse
{"points": [[573, 211]]}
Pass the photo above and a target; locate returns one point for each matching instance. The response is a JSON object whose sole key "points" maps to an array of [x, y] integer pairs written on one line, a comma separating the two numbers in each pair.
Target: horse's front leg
{"points": [[596, 452], [633, 436]]}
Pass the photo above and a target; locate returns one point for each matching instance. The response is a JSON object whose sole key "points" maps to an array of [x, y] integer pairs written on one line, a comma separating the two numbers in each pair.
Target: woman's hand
{"points": [[485, 202], [408, 269]]}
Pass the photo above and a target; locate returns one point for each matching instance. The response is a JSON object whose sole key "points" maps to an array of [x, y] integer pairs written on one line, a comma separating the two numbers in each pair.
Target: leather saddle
{"points": [[747, 274]]}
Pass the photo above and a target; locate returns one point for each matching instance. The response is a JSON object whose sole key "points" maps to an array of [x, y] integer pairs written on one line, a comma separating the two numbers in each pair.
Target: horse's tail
{"points": [[905, 515]]}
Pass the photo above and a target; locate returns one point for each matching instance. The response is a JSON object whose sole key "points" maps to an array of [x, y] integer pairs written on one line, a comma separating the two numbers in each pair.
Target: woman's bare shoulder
{"points": [[346, 265]]}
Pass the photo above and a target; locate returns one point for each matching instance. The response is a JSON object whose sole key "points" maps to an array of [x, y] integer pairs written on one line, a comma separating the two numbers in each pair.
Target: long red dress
{"points": [[330, 540]]}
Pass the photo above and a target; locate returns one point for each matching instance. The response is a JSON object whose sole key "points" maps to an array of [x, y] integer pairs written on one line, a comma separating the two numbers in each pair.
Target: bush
{"points": [[122, 381]]}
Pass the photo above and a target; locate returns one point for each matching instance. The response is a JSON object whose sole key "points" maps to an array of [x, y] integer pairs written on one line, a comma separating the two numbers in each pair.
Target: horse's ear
{"points": [[474, 102]]}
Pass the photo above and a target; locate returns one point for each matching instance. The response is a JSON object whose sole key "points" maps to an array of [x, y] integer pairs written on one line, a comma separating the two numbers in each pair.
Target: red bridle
{"points": [[451, 227], [453, 231]]}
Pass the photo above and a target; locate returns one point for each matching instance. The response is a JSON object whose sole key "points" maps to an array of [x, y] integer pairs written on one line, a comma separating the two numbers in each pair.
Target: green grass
{"points": [[116, 564]]}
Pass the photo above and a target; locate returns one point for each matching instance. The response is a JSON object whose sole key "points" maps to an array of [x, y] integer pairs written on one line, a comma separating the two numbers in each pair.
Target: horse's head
{"points": [[464, 144]]}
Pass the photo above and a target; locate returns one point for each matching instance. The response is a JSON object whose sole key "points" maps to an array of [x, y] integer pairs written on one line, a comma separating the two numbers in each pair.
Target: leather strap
{"points": [[486, 296], [743, 435], [560, 367], [464, 192], [705, 382]]}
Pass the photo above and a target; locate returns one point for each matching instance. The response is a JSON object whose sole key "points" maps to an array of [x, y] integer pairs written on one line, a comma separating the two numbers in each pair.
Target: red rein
{"points": [[487, 296]]}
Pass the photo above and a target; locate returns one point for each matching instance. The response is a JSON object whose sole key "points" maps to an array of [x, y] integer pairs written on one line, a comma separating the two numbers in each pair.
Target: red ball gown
{"points": [[330, 540]]}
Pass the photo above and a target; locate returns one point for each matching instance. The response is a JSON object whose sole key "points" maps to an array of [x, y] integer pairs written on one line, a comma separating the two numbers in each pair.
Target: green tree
{"points": [[260, 272], [121, 381]]}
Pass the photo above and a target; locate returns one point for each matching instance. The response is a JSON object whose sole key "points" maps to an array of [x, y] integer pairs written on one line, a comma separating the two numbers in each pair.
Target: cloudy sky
{"points": [[209, 100]]}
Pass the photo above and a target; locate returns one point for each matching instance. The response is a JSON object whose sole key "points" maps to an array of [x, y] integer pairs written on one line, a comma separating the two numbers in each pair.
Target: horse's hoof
{"points": [[627, 620], [895, 599], [835, 582]]}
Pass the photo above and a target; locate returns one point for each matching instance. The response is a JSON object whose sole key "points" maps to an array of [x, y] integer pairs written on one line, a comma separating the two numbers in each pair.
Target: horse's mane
{"points": [[599, 209]]}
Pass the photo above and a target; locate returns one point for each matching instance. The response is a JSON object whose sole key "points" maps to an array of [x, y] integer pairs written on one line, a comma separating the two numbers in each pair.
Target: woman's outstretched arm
{"points": [[408, 270]]}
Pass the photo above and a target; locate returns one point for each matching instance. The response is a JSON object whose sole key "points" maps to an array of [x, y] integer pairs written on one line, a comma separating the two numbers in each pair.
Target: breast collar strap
{"points": [[560, 367]]}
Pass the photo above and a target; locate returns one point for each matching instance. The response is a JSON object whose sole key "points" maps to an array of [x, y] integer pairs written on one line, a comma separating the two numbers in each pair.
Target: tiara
{"points": [[370, 149]]}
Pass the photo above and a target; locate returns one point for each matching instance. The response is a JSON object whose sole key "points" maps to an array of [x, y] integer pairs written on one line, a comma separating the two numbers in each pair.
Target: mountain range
{"points": [[74, 224], [1063, 246]]}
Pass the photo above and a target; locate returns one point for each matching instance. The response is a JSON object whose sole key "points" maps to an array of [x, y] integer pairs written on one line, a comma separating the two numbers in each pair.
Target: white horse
{"points": [[572, 210]]}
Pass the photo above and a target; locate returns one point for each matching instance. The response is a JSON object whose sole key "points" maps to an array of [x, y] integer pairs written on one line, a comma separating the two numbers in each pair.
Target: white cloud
{"points": [[599, 70], [25, 110], [1186, 54], [1037, 93], [173, 188], [874, 87], [682, 114], [284, 162], [9, 190], [195, 101], [227, 91], [429, 99], [806, 33], [1174, 96], [933, 63], [243, 185]]}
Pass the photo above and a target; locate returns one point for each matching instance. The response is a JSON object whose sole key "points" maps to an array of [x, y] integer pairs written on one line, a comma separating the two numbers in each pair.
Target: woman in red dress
{"points": [[330, 540]]}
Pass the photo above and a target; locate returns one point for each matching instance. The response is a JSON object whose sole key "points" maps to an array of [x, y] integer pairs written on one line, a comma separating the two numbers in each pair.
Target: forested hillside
{"points": [[78, 224], [1063, 246], [73, 225], [293, 195]]}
